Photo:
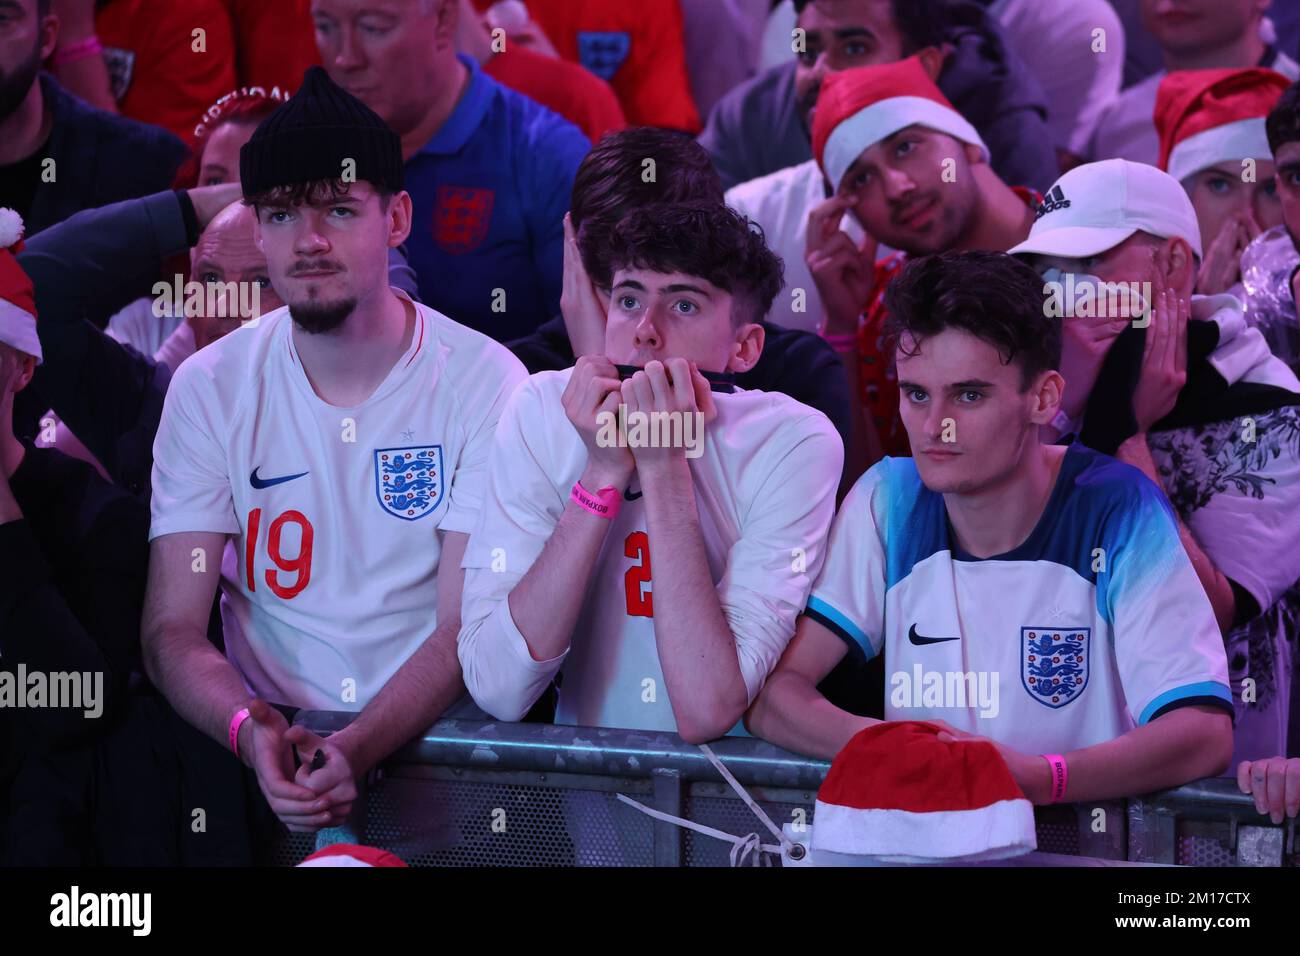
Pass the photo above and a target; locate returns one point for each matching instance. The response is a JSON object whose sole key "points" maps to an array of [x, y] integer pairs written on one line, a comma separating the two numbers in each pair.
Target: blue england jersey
{"points": [[1095, 624]]}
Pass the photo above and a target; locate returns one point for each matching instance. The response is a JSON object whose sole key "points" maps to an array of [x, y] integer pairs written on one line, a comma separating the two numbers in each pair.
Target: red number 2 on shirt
{"points": [[640, 603], [300, 564]]}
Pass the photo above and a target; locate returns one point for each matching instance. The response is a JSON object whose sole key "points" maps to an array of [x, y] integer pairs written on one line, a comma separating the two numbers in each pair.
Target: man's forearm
{"points": [[414, 697], [697, 649], [196, 678], [791, 713], [1185, 745], [547, 600]]}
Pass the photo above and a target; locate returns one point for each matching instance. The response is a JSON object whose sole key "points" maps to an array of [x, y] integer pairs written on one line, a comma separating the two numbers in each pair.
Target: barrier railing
{"points": [[472, 793]]}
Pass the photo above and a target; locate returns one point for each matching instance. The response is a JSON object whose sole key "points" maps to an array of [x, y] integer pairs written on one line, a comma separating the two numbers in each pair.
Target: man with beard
{"points": [[765, 124], [57, 154], [341, 444], [915, 174]]}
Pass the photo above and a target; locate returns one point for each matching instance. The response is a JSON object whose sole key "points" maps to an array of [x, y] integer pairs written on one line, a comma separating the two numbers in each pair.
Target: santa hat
{"points": [[17, 299], [1207, 117], [350, 854], [858, 108], [897, 794]]}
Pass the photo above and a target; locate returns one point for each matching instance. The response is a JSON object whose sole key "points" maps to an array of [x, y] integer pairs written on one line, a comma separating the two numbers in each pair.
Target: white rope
{"points": [[745, 851], [741, 847]]}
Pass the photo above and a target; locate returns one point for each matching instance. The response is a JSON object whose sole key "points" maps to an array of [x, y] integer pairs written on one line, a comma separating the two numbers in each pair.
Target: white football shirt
{"points": [[765, 490], [330, 584], [1095, 624]]}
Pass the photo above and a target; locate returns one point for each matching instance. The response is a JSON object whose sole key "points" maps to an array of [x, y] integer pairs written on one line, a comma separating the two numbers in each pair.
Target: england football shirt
{"points": [[765, 492], [337, 513], [1095, 624]]}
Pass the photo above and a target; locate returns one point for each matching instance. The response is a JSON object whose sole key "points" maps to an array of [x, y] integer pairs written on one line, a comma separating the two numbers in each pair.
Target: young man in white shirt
{"points": [[660, 583], [1037, 595], [340, 444]]}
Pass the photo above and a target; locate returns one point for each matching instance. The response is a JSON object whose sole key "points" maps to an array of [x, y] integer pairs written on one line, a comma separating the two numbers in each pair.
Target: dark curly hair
{"points": [[614, 179], [920, 23], [1283, 124], [707, 240], [991, 295]]}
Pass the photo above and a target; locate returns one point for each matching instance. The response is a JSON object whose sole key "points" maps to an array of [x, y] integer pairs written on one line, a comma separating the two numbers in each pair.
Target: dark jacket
{"points": [[794, 362], [99, 158], [72, 576], [755, 129], [84, 270]]}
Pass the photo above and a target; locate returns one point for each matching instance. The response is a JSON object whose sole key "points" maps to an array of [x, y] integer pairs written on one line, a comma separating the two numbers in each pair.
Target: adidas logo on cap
{"points": [[1054, 200]]}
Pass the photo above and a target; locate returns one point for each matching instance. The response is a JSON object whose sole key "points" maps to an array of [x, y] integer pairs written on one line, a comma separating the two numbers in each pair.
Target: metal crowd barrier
{"points": [[472, 793]]}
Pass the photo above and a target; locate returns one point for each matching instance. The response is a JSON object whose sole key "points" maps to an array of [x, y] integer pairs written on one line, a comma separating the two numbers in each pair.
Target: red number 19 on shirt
{"points": [[299, 564]]}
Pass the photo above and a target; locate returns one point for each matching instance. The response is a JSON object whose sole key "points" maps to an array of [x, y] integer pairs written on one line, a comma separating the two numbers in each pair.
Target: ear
{"points": [[448, 21], [974, 155], [932, 59], [399, 219], [748, 347], [1178, 265], [257, 231], [1045, 397], [49, 35]]}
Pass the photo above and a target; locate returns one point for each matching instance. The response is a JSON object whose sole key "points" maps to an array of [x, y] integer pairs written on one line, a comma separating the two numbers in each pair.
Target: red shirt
{"points": [[155, 73], [275, 42], [877, 376], [635, 45], [584, 100]]}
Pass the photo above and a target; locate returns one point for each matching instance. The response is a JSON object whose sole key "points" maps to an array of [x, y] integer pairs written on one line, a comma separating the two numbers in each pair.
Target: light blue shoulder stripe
{"points": [[843, 623], [1206, 688]]}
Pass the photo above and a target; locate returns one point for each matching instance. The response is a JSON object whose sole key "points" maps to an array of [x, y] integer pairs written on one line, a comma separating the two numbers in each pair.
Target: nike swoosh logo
{"points": [[920, 641], [260, 483], [627, 494]]}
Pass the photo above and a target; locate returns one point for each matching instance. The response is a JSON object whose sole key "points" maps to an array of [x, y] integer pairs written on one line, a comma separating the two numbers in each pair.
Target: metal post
{"points": [[668, 798]]}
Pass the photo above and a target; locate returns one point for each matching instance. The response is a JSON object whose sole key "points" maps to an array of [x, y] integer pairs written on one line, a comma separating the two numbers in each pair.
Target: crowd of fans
{"points": [[314, 315]]}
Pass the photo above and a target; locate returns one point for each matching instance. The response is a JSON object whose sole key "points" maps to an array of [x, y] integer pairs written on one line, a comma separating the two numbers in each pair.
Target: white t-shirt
{"points": [[781, 202], [765, 490], [1033, 648], [331, 581]]}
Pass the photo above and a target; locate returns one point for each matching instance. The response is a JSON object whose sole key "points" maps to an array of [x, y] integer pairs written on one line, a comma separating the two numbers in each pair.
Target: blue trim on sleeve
{"points": [[1208, 688], [840, 624]]}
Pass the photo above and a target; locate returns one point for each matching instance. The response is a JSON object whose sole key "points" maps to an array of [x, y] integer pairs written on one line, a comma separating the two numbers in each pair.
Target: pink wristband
{"points": [[603, 504], [78, 51], [235, 723], [1060, 775]]}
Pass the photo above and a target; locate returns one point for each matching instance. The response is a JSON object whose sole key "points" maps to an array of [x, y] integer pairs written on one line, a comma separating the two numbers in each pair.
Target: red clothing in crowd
{"points": [[877, 375], [275, 42], [584, 100], [155, 73], [638, 47]]}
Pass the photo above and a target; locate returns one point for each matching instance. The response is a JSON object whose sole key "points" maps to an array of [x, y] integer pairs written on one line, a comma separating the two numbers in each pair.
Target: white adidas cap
{"points": [[1097, 206]]}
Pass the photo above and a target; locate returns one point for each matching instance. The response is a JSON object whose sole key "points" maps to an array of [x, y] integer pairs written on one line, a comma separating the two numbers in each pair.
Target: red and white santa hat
{"points": [[859, 107], [1207, 117], [17, 299], [898, 794], [350, 854]]}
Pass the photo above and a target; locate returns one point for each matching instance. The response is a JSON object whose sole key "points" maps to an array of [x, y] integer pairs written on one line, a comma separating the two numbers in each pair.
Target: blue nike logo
{"points": [[628, 495], [260, 483]]}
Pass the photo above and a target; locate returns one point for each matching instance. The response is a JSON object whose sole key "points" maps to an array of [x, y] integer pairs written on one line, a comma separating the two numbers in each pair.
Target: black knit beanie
{"points": [[309, 137]]}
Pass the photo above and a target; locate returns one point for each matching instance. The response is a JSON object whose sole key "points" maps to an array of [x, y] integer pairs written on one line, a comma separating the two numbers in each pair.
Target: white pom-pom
{"points": [[509, 15], [11, 228]]}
